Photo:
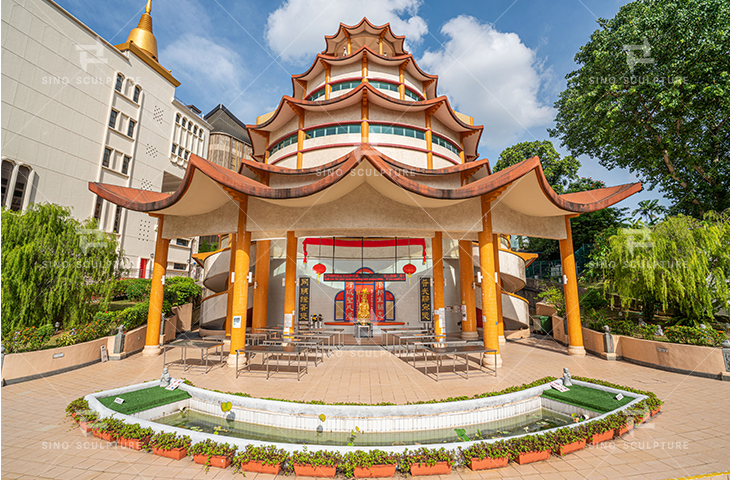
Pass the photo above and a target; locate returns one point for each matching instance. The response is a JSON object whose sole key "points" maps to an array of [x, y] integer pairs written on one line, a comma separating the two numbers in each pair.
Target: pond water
{"points": [[534, 421]]}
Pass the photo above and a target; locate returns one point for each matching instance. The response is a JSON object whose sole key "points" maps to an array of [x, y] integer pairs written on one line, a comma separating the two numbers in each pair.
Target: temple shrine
{"points": [[367, 201]]}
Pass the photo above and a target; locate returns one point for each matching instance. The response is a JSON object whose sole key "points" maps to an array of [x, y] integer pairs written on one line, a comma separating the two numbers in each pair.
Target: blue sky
{"points": [[501, 61]]}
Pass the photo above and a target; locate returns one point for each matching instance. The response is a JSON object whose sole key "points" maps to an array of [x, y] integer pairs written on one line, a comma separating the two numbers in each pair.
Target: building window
{"points": [[190, 126], [113, 119], [187, 154], [179, 266], [19, 190], [130, 130], [195, 130], [177, 118], [137, 91], [184, 122], [384, 85], [120, 82], [412, 95], [284, 143], [7, 173], [174, 148], [182, 242], [336, 130], [98, 208], [441, 141], [402, 131], [318, 94], [345, 85], [125, 164], [106, 160], [117, 219]]}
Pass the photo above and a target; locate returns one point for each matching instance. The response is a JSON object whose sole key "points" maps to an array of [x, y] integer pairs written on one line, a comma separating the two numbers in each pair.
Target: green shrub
{"points": [[28, 339], [367, 459], [593, 299], [554, 296], [695, 336], [181, 290], [138, 289]]}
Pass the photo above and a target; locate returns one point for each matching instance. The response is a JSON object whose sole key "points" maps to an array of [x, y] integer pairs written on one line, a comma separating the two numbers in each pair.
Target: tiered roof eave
{"points": [[345, 30]]}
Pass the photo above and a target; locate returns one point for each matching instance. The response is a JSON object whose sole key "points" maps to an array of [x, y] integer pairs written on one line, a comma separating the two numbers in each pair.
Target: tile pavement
{"points": [[690, 437]]}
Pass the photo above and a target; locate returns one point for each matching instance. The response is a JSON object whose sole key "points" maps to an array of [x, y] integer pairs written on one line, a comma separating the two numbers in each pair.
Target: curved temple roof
{"points": [[206, 186], [364, 26]]}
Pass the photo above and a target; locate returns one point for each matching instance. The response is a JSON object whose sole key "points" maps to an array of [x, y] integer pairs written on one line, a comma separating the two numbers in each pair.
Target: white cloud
{"points": [[296, 30], [213, 70], [491, 76]]}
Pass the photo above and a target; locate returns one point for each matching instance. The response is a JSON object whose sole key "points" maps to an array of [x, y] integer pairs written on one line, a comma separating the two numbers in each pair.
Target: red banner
{"points": [[349, 301], [380, 301]]}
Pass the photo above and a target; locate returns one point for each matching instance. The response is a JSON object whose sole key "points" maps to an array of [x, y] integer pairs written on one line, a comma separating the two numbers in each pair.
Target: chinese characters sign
{"points": [[304, 299], [424, 286]]}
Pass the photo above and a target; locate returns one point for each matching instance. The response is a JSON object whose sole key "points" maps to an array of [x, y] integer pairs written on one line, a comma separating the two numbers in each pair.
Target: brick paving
{"points": [[690, 437]]}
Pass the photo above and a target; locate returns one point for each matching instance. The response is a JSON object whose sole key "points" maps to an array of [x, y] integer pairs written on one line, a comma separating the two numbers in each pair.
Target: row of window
{"points": [[350, 84], [120, 84], [355, 128], [113, 123], [180, 151], [107, 160], [98, 209], [18, 189], [185, 123]]}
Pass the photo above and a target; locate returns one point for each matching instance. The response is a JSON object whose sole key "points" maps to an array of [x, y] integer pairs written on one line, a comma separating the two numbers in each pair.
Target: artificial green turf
{"points": [[144, 399], [586, 397]]}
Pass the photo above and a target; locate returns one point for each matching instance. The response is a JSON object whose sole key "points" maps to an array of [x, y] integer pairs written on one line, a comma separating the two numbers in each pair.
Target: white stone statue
{"points": [[165, 378], [567, 382]]}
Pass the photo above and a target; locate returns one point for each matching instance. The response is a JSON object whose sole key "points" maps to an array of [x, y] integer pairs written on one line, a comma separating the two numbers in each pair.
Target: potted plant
{"points": [[425, 461], [134, 436], [108, 429], [267, 459], [483, 456], [315, 464], [568, 440], [76, 407], [530, 449], [599, 431], [369, 464], [87, 421], [212, 453], [169, 445]]}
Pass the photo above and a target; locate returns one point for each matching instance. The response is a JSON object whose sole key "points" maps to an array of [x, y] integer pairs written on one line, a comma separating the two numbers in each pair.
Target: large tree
{"points": [[559, 171], [54, 268], [652, 94]]}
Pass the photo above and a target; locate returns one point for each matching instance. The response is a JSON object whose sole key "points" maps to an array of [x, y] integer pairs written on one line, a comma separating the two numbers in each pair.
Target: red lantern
{"points": [[319, 269], [409, 270]]}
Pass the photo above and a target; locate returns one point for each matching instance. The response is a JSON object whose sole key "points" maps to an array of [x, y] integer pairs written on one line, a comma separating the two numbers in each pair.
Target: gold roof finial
{"points": [[142, 36]]}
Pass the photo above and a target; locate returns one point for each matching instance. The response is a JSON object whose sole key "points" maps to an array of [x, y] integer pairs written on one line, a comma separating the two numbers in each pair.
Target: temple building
{"points": [[365, 193]]}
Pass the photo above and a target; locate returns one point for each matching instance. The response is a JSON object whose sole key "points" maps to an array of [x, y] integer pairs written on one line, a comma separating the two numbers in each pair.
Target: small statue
{"points": [[659, 332], [363, 310], [607, 329], [567, 382], [642, 323], [165, 378]]}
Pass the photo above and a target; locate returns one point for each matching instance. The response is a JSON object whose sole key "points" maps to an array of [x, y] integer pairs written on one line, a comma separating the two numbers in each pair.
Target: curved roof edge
{"points": [[398, 38]]}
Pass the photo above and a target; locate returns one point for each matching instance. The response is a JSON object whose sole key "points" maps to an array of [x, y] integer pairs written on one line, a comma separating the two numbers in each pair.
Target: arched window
{"points": [[120, 83], [7, 172], [137, 91], [19, 191]]}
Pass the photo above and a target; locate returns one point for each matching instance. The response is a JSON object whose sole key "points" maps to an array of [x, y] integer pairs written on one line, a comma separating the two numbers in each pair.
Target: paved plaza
{"points": [[690, 437]]}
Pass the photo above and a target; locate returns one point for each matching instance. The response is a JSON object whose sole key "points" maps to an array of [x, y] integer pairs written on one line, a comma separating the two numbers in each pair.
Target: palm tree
{"points": [[649, 210]]}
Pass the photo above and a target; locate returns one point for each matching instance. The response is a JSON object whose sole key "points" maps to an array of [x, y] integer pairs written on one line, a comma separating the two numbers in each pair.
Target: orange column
{"points": [[300, 140], [437, 252], [466, 273], [429, 142], [490, 321], [364, 67], [327, 79], [401, 81], [240, 282], [570, 287], [261, 288], [229, 282], [498, 282], [364, 128], [290, 282], [157, 293]]}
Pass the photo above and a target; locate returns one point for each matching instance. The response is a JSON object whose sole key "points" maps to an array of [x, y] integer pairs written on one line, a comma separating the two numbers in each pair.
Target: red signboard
{"points": [[380, 301], [364, 277], [349, 301]]}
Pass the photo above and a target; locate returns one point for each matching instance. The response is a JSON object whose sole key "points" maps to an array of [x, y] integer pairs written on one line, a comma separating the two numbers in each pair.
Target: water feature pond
{"points": [[534, 421]]}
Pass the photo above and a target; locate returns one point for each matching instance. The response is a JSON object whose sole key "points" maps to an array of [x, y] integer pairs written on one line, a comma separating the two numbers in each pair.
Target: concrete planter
{"points": [[532, 457], [488, 463], [375, 471], [440, 468]]}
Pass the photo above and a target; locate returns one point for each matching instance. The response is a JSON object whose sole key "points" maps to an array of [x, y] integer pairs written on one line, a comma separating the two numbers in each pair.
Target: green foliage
{"points": [[144, 399], [76, 406], [181, 290], [586, 397], [552, 295], [133, 317], [666, 119], [209, 448], [168, 441], [426, 456], [695, 336], [559, 171], [649, 210], [53, 266], [138, 289], [593, 299], [320, 458], [682, 263], [484, 450], [267, 455], [135, 432], [27, 339], [206, 247], [358, 458]]}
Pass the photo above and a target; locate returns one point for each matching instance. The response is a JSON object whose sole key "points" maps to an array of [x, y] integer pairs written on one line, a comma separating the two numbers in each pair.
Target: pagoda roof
{"points": [[207, 187], [364, 27]]}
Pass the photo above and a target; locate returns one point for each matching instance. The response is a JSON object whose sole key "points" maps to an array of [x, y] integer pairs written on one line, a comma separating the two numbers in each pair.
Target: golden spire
{"points": [[142, 36]]}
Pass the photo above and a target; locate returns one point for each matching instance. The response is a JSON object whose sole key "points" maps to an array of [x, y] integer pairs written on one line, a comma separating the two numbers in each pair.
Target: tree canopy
{"points": [[559, 171], [54, 268], [652, 95]]}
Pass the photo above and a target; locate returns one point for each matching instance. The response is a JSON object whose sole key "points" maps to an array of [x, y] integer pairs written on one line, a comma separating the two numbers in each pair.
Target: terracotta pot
{"points": [[375, 471], [531, 457], [174, 453], [260, 467], [646, 417], [215, 460], [85, 427], [572, 447], [133, 443], [440, 468], [601, 437], [656, 410], [625, 429], [312, 471], [488, 463], [106, 436]]}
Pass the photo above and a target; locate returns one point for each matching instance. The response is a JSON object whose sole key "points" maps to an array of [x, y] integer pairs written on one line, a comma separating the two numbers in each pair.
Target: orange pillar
{"points": [[261, 287], [466, 273], [157, 293], [240, 283], [490, 321], [229, 282], [570, 287], [290, 282], [498, 282], [439, 304]]}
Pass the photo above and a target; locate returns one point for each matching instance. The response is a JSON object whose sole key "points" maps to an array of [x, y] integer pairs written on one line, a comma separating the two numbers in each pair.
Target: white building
{"points": [[77, 109]]}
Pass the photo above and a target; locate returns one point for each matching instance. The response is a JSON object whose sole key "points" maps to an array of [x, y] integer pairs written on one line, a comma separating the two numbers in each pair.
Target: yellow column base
{"points": [[151, 350], [576, 351], [242, 360], [502, 340], [469, 336], [489, 359]]}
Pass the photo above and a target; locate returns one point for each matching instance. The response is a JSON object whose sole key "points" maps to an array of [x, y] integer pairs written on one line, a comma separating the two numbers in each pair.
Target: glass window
{"points": [[174, 148], [182, 242], [106, 160], [195, 130], [137, 91], [113, 119], [179, 266], [318, 94], [120, 82], [184, 122], [117, 219], [7, 172], [190, 126], [330, 131], [412, 95], [187, 154], [399, 131], [19, 190], [125, 164], [130, 130], [177, 118], [97, 209]]}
